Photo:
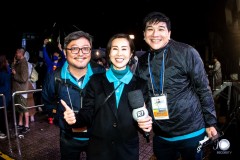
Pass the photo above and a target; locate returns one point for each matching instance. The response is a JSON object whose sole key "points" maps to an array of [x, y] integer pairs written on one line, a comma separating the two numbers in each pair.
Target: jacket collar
{"points": [[66, 75]]}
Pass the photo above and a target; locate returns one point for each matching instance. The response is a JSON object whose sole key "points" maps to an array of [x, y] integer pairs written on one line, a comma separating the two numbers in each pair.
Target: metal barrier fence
{"points": [[13, 105], [5, 114], [230, 92]]}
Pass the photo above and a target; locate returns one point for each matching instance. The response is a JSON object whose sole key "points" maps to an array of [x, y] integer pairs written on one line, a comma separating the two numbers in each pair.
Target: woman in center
{"points": [[106, 109]]}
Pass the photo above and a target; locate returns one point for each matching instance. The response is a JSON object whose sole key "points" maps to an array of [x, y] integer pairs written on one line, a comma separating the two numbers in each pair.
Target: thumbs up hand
{"points": [[69, 115]]}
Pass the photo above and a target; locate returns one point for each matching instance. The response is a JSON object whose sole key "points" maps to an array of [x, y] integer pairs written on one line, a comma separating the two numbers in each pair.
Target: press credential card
{"points": [[159, 107]]}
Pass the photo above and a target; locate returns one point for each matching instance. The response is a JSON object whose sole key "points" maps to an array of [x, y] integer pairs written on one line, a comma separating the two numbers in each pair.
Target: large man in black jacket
{"points": [[181, 99]]}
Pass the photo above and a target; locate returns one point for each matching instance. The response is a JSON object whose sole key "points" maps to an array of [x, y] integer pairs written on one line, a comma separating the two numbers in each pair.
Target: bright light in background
{"points": [[131, 36], [97, 53]]}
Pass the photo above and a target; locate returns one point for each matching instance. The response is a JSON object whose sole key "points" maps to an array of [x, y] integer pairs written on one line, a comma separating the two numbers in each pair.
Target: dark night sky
{"points": [[191, 20]]}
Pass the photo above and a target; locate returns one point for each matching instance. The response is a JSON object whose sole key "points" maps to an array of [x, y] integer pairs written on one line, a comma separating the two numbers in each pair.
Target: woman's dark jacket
{"points": [[5, 88], [113, 129]]}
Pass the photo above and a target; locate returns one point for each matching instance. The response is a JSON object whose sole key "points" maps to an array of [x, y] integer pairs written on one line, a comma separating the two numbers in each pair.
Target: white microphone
{"points": [[136, 101], [139, 113]]}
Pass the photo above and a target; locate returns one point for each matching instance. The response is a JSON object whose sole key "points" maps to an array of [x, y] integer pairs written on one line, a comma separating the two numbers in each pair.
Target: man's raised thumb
{"points": [[65, 105]]}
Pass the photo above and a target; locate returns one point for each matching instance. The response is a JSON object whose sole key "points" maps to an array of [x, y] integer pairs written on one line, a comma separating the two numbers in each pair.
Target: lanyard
{"points": [[162, 70]]}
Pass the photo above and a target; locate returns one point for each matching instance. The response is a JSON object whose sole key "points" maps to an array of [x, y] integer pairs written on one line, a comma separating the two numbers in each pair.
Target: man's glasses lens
{"points": [[76, 50]]}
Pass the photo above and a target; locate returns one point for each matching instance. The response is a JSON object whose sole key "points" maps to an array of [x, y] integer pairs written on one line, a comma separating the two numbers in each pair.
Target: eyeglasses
{"points": [[75, 50]]}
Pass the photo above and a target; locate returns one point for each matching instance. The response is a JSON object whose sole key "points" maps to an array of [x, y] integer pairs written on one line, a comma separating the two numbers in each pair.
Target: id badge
{"points": [[159, 107]]}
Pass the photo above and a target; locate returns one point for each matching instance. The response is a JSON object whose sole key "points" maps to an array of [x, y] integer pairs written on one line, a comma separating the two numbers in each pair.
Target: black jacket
{"points": [[189, 97], [114, 131]]}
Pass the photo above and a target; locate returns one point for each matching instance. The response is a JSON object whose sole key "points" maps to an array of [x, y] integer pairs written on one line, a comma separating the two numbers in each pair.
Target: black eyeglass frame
{"points": [[71, 49]]}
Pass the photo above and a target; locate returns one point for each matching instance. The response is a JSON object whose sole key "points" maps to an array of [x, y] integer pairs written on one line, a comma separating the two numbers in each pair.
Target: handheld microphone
{"points": [[136, 101]]}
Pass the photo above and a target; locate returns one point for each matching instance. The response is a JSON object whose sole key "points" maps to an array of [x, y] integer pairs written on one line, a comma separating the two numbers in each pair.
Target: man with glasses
{"points": [[68, 83]]}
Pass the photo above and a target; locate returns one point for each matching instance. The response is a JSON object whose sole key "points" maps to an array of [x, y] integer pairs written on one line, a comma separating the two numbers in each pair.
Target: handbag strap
{"points": [[105, 100]]}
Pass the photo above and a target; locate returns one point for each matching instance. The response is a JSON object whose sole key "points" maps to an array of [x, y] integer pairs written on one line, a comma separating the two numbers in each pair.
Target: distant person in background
{"points": [[133, 64], [31, 86], [57, 61], [20, 83], [217, 73], [58, 57], [41, 68], [5, 89], [102, 61]]}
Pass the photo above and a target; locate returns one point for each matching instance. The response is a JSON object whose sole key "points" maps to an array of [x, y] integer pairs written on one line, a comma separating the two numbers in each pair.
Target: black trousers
{"points": [[172, 150], [71, 148]]}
